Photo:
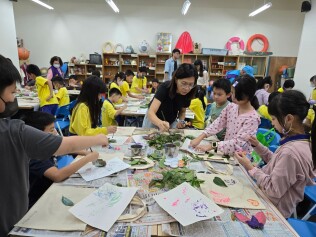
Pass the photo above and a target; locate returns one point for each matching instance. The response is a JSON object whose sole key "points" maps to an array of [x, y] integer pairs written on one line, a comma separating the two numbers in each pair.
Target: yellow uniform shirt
{"points": [[313, 94], [199, 113], [108, 114], [140, 83], [63, 96], [263, 111], [124, 88], [281, 90], [43, 92], [311, 115], [114, 85], [80, 122]]}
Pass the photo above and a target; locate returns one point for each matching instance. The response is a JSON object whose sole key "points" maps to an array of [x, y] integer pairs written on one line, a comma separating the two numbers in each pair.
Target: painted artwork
{"points": [[227, 191], [91, 172], [164, 42], [187, 205], [104, 206]]}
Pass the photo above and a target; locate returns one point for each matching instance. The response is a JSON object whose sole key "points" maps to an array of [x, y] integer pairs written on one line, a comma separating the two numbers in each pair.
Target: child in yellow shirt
{"points": [[62, 94], [48, 101], [109, 113], [124, 85], [85, 118], [117, 81], [198, 106], [263, 109], [287, 85], [139, 84], [312, 99]]}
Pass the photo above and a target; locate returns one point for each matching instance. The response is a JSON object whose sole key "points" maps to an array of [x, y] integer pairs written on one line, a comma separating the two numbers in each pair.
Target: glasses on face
{"points": [[185, 85]]}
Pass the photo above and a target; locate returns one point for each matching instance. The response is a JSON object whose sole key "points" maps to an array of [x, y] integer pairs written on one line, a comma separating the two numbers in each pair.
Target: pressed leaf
{"points": [[210, 155], [112, 141], [219, 182], [67, 201]]}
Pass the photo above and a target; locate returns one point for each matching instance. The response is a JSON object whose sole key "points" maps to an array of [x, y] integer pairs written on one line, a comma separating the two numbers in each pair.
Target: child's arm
{"points": [[120, 110], [218, 125], [50, 86], [135, 96], [49, 74], [181, 116], [58, 175]]}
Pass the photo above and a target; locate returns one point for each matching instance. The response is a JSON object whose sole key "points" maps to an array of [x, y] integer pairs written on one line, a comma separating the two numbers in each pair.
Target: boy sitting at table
{"points": [[44, 172], [139, 84], [74, 83], [109, 113], [62, 94]]}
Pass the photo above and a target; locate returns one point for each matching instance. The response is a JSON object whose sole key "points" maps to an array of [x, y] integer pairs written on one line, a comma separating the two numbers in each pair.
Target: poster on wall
{"points": [[164, 41]]}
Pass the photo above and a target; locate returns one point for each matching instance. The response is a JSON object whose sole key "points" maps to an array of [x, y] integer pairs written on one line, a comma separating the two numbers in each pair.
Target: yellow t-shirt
{"points": [[311, 115], [63, 96], [281, 90], [43, 92], [141, 83], [314, 94], [108, 114], [114, 85], [124, 88], [263, 111], [80, 122], [199, 113]]}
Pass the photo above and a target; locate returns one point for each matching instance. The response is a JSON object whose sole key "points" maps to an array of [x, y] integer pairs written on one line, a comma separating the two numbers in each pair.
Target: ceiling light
{"points": [[185, 7], [43, 4], [112, 4], [261, 9]]}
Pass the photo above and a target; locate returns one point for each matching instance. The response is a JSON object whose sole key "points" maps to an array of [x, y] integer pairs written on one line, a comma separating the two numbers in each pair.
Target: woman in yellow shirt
{"points": [[85, 118], [198, 106]]}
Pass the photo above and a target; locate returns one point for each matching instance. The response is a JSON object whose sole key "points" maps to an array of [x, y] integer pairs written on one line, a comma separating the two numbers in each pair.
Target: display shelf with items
{"points": [[204, 59], [148, 61], [216, 67], [259, 64], [79, 70], [188, 58], [230, 63], [129, 62], [111, 65], [93, 67], [160, 65]]}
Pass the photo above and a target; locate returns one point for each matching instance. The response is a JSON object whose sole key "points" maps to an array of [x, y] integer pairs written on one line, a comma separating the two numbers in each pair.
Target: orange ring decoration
{"points": [[262, 38]]}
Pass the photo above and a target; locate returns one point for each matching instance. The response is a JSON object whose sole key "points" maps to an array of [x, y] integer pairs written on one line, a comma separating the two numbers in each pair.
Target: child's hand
{"points": [[93, 156], [243, 160], [112, 129], [103, 140], [253, 141], [124, 107], [48, 98], [195, 142], [180, 125], [203, 148], [163, 126], [141, 97]]}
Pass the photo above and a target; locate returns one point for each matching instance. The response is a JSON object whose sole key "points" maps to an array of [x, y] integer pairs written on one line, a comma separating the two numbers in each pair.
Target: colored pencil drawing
{"points": [[110, 195]]}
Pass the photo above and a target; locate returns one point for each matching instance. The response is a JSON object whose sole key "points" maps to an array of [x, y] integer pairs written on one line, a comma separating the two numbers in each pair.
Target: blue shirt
{"points": [[169, 67]]}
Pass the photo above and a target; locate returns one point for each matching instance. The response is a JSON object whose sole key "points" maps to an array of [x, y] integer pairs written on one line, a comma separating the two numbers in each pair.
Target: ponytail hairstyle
{"points": [[89, 95], [313, 139], [200, 93], [264, 81], [245, 89]]}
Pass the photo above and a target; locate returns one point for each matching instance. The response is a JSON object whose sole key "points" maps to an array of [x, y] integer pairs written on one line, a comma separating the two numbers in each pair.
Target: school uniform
{"points": [[196, 107], [124, 87], [63, 96], [114, 85], [140, 83], [44, 92], [108, 113]]}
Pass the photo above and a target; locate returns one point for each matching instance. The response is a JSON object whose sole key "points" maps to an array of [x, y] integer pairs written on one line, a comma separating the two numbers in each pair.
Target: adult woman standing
{"points": [[203, 74], [54, 69], [171, 100]]}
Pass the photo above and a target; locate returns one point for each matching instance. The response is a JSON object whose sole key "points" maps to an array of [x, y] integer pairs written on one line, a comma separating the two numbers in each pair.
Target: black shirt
{"points": [[169, 107]]}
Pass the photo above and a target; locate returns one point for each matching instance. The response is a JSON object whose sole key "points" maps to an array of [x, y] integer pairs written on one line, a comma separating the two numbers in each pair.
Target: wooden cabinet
{"points": [[148, 61], [83, 71], [259, 64], [129, 62], [160, 65], [111, 65]]}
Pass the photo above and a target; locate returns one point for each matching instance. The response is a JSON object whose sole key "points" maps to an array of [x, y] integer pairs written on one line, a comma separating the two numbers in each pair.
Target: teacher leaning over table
{"points": [[167, 109]]}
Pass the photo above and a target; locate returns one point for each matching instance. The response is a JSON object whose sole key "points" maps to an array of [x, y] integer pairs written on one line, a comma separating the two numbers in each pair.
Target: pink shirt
{"points": [[262, 96], [238, 129], [50, 74], [286, 174]]}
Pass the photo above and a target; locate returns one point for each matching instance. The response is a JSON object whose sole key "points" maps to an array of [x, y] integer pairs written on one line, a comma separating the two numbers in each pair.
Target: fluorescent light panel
{"points": [[185, 7], [43, 4], [113, 6], [261, 9]]}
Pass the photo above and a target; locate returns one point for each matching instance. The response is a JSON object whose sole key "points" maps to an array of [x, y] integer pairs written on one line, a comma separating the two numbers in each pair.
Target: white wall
{"points": [[82, 26], [305, 65], [8, 46]]}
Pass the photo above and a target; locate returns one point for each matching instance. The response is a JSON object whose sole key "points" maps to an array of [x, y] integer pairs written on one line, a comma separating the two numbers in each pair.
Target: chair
{"points": [[207, 112], [63, 161], [62, 121], [72, 104], [303, 228], [310, 193]]}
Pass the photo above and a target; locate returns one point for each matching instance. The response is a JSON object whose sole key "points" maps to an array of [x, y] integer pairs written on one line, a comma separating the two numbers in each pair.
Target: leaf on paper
{"points": [[219, 182], [67, 202]]}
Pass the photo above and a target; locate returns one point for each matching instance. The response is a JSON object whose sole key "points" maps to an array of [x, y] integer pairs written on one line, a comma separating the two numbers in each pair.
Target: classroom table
{"points": [[74, 92], [27, 102], [221, 225]]}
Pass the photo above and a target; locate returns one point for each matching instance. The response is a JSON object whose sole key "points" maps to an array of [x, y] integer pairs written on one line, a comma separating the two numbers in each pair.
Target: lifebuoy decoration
{"points": [[260, 37], [241, 44]]}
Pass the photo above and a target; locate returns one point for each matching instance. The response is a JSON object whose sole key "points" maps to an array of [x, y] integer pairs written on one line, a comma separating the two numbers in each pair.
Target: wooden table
{"points": [[273, 215], [27, 102]]}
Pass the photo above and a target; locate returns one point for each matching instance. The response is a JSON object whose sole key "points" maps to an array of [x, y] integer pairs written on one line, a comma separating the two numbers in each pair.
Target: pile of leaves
{"points": [[159, 140], [175, 177], [138, 162]]}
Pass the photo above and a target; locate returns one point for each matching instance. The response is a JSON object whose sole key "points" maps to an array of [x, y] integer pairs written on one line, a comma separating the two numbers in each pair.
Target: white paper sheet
{"points": [[125, 131], [186, 147], [90, 172], [196, 133], [104, 206], [187, 205], [139, 139]]}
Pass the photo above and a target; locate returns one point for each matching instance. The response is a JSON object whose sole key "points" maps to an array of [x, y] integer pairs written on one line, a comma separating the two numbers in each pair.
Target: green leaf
{"points": [[219, 182], [226, 156], [112, 141], [210, 155], [67, 201], [119, 185]]}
